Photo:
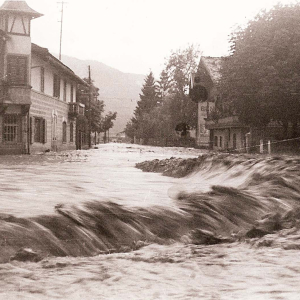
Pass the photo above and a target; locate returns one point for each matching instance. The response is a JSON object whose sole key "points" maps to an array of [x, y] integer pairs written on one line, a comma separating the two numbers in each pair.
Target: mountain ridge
{"points": [[119, 91]]}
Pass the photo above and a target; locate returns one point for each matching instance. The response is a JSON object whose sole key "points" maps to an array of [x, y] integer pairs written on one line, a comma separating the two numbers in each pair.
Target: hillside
{"points": [[119, 91]]}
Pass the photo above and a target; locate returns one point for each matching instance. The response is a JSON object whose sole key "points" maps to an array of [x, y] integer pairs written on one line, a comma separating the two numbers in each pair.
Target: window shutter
{"points": [[42, 79], [56, 86], [30, 131], [44, 131], [71, 132], [22, 75]]}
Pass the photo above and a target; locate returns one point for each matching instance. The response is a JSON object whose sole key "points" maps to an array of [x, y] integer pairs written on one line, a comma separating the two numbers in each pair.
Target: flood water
{"points": [[67, 206]]}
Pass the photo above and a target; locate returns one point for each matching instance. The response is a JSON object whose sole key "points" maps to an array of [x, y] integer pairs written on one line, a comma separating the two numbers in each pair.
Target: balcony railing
{"points": [[223, 122], [76, 109]]}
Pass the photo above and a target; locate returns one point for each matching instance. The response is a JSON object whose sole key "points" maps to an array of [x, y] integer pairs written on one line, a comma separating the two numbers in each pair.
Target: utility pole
{"points": [[90, 110], [61, 25]]}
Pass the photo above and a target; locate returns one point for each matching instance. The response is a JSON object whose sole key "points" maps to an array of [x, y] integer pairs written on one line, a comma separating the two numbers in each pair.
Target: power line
{"points": [[61, 25]]}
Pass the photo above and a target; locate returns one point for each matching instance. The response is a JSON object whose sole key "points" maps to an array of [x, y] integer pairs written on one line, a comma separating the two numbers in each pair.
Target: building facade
{"points": [[226, 131], [208, 76], [38, 107]]}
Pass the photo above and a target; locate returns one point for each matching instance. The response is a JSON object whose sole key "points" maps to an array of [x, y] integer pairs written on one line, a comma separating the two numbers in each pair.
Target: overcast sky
{"points": [[135, 36]]}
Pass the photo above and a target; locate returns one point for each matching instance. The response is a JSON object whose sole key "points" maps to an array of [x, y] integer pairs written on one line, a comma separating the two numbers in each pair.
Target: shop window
{"points": [[17, 70], [234, 141], [11, 128], [39, 130], [216, 141], [56, 86], [71, 132], [64, 129]]}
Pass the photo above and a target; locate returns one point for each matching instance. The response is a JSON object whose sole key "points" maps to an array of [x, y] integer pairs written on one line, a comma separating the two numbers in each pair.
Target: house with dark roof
{"points": [[219, 126], [208, 75], [38, 107], [213, 132]]}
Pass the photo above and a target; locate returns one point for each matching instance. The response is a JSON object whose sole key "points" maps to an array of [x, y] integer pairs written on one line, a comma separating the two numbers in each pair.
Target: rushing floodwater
{"points": [[105, 206]]}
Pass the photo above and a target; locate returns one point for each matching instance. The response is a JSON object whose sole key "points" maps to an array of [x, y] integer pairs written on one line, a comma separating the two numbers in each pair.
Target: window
{"points": [[17, 70], [42, 79], [11, 128], [72, 93], [221, 141], [216, 141], [64, 137], [234, 140], [71, 133], [39, 130], [65, 91], [56, 86], [18, 25]]}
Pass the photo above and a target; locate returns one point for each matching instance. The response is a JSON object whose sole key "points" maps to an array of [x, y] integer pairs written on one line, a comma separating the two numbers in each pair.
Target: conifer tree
{"points": [[148, 97], [142, 125]]}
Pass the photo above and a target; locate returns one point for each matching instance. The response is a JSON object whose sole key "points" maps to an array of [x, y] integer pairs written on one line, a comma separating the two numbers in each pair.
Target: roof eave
{"points": [[33, 15], [47, 56]]}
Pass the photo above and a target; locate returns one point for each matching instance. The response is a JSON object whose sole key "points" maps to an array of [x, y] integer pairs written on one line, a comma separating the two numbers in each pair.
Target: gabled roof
{"points": [[212, 66], [20, 7], [45, 55]]}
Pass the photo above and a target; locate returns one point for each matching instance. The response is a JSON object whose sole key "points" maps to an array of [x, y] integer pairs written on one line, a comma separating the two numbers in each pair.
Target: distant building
{"points": [[208, 72], [220, 128], [38, 107], [215, 132]]}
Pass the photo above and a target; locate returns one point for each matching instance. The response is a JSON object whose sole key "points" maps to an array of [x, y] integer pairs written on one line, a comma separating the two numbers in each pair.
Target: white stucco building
{"points": [[38, 107]]}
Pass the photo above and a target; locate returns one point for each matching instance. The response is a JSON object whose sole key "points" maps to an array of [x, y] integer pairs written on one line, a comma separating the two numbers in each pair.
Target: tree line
{"points": [[164, 110], [93, 120], [260, 81]]}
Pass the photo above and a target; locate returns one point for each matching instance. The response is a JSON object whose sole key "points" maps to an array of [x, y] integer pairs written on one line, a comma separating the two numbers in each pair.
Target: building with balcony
{"points": [[208, 76], [38, 108], [219, 124], [216, 132]]}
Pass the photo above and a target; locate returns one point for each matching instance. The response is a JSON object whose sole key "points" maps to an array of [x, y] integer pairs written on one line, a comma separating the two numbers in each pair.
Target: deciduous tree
{"points": [[107, 123], [178, 68], [260, 79]]}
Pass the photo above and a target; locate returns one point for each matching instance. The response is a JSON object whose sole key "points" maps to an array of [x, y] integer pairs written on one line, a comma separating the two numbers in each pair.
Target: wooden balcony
{"points": [[225, 122], [76, 109]]}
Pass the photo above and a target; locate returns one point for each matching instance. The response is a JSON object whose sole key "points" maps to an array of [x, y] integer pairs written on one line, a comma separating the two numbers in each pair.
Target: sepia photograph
{"points": [[149, 150]]}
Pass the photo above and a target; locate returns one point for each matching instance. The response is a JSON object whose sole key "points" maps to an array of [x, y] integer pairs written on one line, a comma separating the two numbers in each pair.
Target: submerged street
{"points": [[31, 186]]}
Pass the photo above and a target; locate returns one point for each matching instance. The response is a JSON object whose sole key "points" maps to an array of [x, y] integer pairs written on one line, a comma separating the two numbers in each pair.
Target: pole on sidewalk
{"points": [[90, 110], [269, 147], [261, 146]]}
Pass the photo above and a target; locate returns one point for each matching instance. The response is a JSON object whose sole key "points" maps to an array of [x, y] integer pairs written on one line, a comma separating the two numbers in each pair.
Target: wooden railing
{"points": [[76, 109]]}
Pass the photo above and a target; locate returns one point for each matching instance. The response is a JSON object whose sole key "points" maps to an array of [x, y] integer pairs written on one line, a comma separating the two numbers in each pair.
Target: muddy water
{"points": [[33, 185], [171, 264]]}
